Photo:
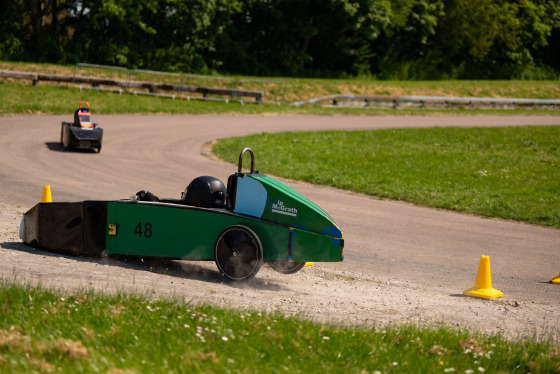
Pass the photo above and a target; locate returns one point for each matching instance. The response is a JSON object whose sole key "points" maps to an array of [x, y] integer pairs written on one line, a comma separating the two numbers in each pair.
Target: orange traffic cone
{"points": [[483, 283], [47, 198], [556, 279]]}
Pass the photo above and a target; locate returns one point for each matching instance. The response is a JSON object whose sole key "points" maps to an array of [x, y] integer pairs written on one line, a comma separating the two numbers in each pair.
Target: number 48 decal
{"points": [[147, 230]]}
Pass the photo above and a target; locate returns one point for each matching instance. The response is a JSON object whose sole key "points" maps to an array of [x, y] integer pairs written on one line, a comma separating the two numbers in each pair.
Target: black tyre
{"points": [[64, 142], [238, 253], [286, 267]]}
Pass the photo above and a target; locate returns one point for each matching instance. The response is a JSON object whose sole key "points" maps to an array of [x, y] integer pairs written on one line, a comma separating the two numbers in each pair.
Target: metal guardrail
{"points": [[128, 85], [427, 101], [179, 88], [194, 80]]}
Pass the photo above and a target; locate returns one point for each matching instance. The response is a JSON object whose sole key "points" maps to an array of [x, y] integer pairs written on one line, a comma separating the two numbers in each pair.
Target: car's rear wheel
{"points": [[238, 253], [286, 267]]}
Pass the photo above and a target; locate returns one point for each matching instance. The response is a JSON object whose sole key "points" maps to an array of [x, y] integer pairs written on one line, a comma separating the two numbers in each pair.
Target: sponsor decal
{"points": [[279, 207]]}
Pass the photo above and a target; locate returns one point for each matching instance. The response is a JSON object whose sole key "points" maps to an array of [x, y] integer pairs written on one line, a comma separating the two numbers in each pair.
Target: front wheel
{"points": [[64, 141], [286, 267], [238, 253]]}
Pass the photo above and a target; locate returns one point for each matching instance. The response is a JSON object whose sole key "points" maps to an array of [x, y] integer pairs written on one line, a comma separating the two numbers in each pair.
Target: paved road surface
{"points": [[162, 153]]}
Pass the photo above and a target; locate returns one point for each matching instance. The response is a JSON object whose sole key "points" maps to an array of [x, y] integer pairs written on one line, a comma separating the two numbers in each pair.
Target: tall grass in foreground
{"points": [[511, 173], [47, 331]]}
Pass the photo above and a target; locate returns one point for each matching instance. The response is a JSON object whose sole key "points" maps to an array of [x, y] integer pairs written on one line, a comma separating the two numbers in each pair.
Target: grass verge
{"points": [[49, 331], [295, 89], [511, 173], [23, 98]]}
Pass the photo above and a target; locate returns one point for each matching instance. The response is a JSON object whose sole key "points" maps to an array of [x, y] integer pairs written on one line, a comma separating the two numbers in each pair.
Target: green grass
{"points": [[302, 88], [511, 173], [295, 89], [18, 98], [24, 99], [49, 331]]}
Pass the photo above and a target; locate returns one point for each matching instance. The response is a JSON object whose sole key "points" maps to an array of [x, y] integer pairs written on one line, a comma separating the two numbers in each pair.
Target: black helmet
{"points": [[146, 196], [205, 192]]}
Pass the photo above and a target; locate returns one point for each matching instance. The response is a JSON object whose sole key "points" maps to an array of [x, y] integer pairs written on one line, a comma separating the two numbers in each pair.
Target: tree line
{"points": [[397, 39]]}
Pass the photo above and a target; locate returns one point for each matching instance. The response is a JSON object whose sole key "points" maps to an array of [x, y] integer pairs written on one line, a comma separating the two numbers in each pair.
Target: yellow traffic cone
{"points": [[308, 264], [556, 279], [483, 283], [47, 198]]}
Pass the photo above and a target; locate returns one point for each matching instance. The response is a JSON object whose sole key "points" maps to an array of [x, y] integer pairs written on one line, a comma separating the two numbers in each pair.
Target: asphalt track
{"points": [[162, 153]]}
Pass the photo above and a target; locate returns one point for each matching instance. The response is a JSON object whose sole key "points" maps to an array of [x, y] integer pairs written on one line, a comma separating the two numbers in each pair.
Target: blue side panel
{"points": [[333, 231], [250, 197]]}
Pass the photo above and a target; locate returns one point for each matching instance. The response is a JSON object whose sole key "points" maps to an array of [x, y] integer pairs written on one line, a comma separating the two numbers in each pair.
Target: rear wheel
{"points": [[238, 253], [286, 267]]}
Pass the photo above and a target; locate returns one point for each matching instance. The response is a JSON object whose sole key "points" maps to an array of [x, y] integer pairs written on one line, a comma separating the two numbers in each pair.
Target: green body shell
{"points": [[289, 226], [280, 204]]}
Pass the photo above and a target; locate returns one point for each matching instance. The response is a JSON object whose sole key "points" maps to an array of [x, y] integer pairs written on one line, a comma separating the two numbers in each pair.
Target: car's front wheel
{"points": [[238, 253], [64, 141]]}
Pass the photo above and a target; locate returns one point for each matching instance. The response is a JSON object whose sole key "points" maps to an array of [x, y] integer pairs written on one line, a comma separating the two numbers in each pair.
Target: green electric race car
{"points": [[254, 219]]}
